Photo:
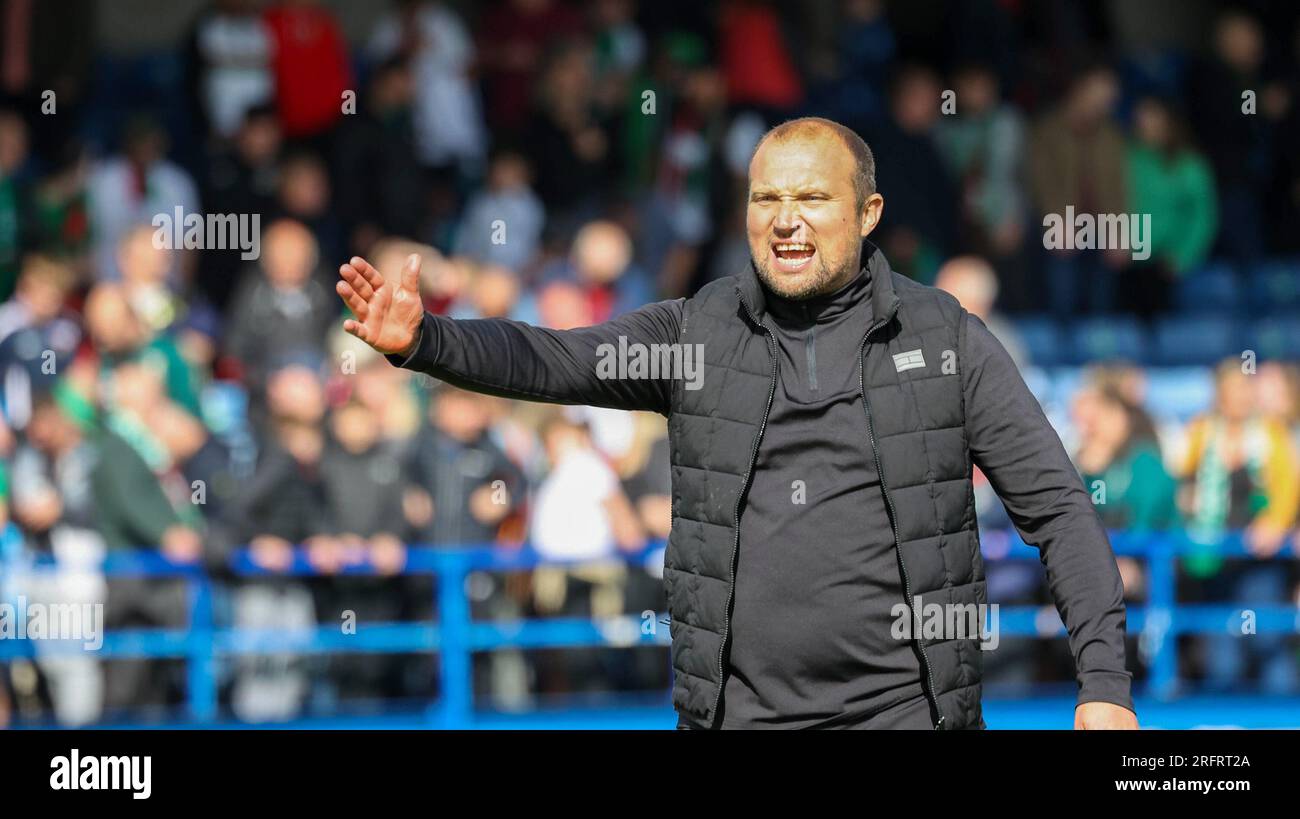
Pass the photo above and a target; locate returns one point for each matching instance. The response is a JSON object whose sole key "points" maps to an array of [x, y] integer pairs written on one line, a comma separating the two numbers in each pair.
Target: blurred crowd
{"points": [[561, 163]]}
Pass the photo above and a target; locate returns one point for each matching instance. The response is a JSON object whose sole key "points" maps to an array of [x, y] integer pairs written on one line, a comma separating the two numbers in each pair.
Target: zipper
{"points": [[893, 524], [810, 352], [810, 347], [744, 485]]}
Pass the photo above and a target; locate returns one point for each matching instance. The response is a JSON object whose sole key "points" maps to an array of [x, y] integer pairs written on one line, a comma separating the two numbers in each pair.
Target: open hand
{"points": [[388, 313]]}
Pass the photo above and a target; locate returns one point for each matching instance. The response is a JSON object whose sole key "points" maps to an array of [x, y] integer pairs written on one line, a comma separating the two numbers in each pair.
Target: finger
{"points": [[411, 274], [368, 272], [359, 307], [357, 329], [359, 284]]}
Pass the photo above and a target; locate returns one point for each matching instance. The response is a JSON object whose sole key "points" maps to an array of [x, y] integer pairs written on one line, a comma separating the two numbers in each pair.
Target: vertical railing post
{"points": [[457, 684], [201, 670], [1162, 562]]}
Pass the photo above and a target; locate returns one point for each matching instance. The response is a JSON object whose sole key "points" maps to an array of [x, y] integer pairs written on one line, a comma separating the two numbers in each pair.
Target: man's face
{"points": [[805, 229]]}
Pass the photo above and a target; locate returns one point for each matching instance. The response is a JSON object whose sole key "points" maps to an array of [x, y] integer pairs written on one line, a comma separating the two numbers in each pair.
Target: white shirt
{"points": [[448, 123], [569, 521]]}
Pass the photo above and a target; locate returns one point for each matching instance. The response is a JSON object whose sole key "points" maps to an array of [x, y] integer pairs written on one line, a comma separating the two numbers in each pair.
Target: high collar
{"points": [[820, 309], [884, 302]]}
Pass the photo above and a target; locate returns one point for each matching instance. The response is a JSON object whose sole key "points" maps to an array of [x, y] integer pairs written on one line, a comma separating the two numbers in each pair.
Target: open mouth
{"points": [[792, 256]]}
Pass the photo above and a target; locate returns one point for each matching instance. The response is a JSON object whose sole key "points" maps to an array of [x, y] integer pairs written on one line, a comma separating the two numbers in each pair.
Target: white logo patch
{"points": [[909, 360]]}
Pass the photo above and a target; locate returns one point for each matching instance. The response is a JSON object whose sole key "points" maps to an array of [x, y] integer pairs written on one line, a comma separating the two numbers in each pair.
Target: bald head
{"points": [[972, 280], [818, 128]]}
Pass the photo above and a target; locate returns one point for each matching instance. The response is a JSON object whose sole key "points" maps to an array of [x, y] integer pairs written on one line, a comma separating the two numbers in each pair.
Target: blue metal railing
{"points": [[455, 636]]}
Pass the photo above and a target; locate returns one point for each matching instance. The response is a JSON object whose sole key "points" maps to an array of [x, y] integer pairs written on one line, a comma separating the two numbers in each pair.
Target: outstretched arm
{"points": [[1014, 445], [509, 358]]}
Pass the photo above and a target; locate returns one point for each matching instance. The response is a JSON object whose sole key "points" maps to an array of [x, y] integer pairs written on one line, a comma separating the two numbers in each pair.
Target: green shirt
{"points": [[1139, 491], [1179, 194]]}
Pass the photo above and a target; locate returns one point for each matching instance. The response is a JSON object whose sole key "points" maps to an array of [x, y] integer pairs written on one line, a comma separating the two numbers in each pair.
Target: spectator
{"points": [[973, 282], [133, 188], [580, 517], [601, 265], [922, 223], [983, 143], [569, 145], [61, 209], [581, 512], [363, 486], [280, 306], [229, 58], [494, 292], [449, 132], [1241, 472], [199, 476], [503, 223], [562, 305], [85, 490], [1282, 205], [120, 336], [311, 68], [55, 515], [512, 40], [1240, 467], [620, 49], [15, 196], [1168, 179], [1076, 161], [354, 448], [380, 387], [303, 195], [47, 50], [1237, 144], [1278, 386], [197, 337], [241, 179], [755, 59], [1122, 468], [854, 92], [285, 504], [691, 183], [379, 190], [38, 335], [144, 264], [461, 487]]}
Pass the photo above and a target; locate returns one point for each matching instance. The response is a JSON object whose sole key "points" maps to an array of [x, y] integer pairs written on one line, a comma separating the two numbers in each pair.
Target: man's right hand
{"points": [[388, 313]]}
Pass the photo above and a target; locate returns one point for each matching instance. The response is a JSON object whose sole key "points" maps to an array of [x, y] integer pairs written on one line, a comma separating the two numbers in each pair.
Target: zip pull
{"points": [[938, 726]]}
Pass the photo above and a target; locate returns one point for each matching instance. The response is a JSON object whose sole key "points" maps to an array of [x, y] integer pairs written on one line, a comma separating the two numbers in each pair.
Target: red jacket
{"points": [[311, 68]]}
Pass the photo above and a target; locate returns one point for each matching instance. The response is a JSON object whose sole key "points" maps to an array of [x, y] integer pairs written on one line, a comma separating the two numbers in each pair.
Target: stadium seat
{"points": [[1106, 338], [1213, 290], [1276, 336], [1274, 287], [1178, 392], [1195, 340], [1042, 338]]}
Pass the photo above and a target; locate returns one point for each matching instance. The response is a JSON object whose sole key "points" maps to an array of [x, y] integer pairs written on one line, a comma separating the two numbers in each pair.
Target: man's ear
{"points": [[871, 212]]}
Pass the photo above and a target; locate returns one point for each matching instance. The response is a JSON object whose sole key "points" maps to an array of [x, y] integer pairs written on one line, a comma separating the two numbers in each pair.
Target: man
{"points": [[974, 283], [821, 460]]}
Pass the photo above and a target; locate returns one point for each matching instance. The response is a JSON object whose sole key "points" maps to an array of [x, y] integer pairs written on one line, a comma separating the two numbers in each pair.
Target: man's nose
{"points": [[788, 218]]}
